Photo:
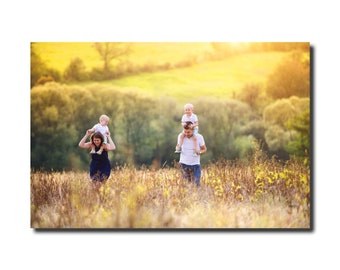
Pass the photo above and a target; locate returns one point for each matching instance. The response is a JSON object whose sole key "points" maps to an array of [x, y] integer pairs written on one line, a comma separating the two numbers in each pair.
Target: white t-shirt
{"points": [[187, 150], [193, 118], [102, 129]]}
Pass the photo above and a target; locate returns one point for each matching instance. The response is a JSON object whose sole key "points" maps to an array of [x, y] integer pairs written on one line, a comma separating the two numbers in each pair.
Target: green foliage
{"points": [[275, 118], [144, 128], [278, 112], [285, 181], [38, 67], [40, 72], [52, 132], [76, 71], [135, 126], [138, 125], [291, 78], [300, 144], [110, 51], [220, 122], [250, 94]]}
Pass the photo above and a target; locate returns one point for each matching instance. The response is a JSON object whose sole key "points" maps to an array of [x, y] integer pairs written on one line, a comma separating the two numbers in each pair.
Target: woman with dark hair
{"points": [[100, 166]]}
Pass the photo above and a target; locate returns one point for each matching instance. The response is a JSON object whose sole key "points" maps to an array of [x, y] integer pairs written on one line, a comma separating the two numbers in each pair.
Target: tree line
{"points": [[145, 128]]}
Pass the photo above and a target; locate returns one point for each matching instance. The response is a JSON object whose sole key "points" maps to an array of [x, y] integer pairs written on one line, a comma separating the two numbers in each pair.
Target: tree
{"points": [[38, 67], [135, 129], [275, 118], [300, 145], [290, 78], [110, 51], [75, 71], [250, 94], [40, 73], [52, 132], [166, 126], [220, 122]]}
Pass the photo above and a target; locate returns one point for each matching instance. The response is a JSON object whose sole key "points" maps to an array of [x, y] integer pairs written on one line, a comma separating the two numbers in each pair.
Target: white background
{"points": [[23, 22]]}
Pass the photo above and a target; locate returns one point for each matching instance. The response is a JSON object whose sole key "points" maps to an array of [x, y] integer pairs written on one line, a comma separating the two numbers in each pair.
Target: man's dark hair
{"points": [[188, 125]]}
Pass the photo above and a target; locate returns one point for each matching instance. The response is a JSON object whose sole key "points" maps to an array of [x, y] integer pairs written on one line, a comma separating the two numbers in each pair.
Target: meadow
{"points": [[219, 78], [265, 194], [255, 193]]}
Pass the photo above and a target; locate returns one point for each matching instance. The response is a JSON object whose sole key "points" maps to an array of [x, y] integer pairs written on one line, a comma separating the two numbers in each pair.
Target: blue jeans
{"points": [[191, 172]]}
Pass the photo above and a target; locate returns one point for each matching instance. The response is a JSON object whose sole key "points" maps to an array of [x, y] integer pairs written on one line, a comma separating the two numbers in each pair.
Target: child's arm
{"points": [[93, 129]]}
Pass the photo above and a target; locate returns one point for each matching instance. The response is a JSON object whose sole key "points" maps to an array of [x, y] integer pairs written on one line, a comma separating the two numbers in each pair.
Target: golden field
{"points": [[268, 195]]}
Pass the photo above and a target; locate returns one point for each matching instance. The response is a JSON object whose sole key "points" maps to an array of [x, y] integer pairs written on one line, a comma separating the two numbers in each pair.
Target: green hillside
{"points": [[220, 79]]}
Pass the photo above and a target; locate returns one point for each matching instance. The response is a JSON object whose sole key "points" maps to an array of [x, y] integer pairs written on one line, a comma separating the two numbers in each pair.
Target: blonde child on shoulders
{"points": [[101, 127], [188, 116]]}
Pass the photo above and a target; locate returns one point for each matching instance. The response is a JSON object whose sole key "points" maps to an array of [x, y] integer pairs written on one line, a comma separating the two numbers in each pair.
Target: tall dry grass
{"points": [[261, 194]]}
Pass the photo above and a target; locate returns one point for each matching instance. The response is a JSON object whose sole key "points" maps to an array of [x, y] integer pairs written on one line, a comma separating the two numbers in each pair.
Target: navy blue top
{"points": [[100, 167]]}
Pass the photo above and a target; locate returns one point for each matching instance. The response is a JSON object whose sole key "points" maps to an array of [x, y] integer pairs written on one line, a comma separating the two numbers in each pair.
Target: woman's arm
{"points": [[83, 143]]}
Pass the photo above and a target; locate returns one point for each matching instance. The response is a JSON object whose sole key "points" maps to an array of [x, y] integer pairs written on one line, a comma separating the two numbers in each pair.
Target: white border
{"points": [[26, 21]]}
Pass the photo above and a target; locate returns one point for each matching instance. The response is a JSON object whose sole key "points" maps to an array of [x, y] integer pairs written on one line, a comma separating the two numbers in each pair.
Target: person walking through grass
{"points": [[100, 166], [191, 164], [103, 128]]}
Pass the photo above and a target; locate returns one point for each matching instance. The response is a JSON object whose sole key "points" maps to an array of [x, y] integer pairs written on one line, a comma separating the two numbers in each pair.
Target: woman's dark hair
{"points": [[97, 135]]}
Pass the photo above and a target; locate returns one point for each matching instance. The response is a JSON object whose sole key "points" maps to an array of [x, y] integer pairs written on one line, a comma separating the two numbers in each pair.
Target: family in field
{"points": [[190, 145]]}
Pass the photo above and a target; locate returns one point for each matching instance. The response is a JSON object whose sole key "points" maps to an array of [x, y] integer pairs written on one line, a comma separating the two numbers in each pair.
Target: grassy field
{"points": [[267, 195], [220, 79]]}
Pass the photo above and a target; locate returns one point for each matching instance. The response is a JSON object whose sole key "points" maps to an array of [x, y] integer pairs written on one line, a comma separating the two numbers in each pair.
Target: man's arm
{"points": [[203, 149]]}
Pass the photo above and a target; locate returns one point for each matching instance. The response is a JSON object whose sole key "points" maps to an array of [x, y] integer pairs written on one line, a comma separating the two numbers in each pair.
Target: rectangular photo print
{"points": [[171, 136]]}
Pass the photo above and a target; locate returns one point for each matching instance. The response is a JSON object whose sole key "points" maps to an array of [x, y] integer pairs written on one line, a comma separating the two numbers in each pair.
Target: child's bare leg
{"points": [[179, 145], [195, 145], [93, 150], [100, 151]]}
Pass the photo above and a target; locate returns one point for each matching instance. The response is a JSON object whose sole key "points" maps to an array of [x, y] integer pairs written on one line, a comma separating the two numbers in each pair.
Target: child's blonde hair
{"points": [[104, 116], [189, 105]]}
